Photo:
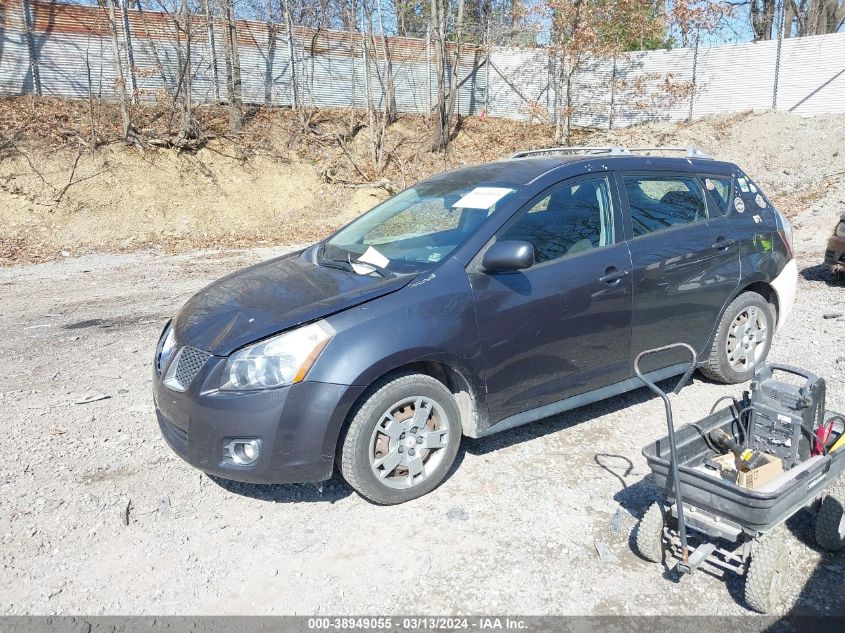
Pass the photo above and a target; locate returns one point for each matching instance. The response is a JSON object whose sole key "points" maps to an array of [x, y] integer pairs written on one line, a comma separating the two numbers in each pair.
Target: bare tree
{"points": [[813, 17], [188, 128], [233, 66], [762, 18], [294, 81], [127, 129], [446, 82], [388, 80]]}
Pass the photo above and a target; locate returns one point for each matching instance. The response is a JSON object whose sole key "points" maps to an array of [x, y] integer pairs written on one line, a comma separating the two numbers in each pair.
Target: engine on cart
{"points": [[782, 425], [783, 417]]}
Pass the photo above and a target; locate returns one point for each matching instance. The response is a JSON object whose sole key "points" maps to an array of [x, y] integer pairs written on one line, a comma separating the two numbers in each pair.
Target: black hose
{"points": [[722, 399]]}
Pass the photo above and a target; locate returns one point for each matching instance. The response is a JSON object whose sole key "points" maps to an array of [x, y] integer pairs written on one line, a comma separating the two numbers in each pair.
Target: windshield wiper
{"points": [[348, 265]]}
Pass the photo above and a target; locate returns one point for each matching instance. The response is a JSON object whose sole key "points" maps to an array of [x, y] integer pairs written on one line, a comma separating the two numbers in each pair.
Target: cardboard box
{"points": [[752, 479]]}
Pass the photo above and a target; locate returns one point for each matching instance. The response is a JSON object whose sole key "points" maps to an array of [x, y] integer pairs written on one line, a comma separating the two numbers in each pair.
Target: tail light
{"points": [[785, 233]]}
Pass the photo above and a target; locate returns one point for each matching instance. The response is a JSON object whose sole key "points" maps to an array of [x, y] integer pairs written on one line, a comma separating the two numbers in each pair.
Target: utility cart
{"points": [[728, 520]]}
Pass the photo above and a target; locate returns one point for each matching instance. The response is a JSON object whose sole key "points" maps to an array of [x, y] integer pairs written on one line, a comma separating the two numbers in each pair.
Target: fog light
{"points": [[242, 451]]}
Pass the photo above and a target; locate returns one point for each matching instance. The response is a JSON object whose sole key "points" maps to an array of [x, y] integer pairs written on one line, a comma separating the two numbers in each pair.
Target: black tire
{"points": [[764, 578], [354, 452], [649, 537], [718, 367], [830, 523]]}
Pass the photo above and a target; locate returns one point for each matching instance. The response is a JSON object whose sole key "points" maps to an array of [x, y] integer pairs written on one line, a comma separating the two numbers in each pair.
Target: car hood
{"points": [[256, 302]]}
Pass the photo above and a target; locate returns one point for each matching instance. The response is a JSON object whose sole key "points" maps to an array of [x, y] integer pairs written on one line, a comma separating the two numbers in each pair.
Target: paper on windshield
{"points": [[372, 256], [482, 198]]}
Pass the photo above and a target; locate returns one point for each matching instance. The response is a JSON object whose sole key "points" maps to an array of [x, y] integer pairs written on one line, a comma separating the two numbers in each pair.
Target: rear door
{"points": [[685, 257], [563, 326]]}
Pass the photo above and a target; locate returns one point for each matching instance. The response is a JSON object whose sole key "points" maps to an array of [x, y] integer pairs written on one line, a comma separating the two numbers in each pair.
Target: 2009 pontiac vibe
{"points": [[475, 301]]}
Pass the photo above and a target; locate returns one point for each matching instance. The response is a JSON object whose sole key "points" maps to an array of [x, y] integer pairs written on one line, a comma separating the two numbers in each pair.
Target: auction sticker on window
{"points": [[481, 198]]}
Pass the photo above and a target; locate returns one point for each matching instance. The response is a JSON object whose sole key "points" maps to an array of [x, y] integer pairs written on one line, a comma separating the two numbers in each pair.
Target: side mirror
{"points": [[508, 256]]}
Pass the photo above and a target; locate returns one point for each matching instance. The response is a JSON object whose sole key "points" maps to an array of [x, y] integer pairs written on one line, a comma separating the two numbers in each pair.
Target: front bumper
{"points": [[298, 426], [834, 254]]}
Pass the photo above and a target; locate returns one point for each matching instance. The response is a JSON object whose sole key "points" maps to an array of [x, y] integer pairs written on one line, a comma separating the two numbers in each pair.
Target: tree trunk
{"points": [[187, 125], [815, 17], [294, 81], [446, 86], [388, 85], [120, 84], [371, 108], [453, 76], [762, 18], [440, 134], [233, 66]]}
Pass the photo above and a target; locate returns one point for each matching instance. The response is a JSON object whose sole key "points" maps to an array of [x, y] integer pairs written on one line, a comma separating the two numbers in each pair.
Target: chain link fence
{"points": [[64, 51]]}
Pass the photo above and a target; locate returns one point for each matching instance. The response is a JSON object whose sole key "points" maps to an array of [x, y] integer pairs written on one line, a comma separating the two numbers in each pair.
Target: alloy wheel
{"points": [[408, 442], [746, 344]]}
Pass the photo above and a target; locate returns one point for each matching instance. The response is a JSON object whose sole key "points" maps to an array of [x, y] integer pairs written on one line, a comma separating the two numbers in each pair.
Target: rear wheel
{"points": [[742, 339], [402, 439]]}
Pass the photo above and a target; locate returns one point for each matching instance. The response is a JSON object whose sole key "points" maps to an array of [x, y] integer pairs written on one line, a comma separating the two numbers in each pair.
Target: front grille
{"points": [[190, 362]]}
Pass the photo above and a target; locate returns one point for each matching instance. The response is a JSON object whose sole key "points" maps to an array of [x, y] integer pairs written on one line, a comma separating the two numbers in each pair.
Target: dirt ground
{"points": [[515, 528]]}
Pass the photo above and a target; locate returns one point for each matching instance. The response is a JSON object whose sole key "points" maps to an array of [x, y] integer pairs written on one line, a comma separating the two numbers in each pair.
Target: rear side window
{"points": [[574, 218], [720, 189], [661, 202]]}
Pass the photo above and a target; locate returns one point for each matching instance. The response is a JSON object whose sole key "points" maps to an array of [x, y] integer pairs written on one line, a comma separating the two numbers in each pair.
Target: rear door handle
{"points": [[722, 243], [612, 275]]}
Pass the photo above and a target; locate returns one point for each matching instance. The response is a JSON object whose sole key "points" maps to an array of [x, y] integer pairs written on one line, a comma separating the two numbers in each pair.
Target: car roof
{"points": [[524, 171]]}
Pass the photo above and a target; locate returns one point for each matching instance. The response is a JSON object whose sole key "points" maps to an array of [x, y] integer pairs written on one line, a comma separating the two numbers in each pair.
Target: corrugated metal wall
{"points": [[74, 55]]}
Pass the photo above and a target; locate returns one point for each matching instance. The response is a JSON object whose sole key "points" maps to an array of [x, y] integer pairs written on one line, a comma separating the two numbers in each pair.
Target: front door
{"points": [[563, 326], [685, 264]]}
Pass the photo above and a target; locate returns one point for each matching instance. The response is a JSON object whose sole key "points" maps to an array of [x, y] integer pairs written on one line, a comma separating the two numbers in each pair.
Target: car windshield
{"points": [[415, 229]]}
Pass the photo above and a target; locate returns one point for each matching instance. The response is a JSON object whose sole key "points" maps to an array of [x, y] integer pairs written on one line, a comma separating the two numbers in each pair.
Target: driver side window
{"points": [[574, 218]]}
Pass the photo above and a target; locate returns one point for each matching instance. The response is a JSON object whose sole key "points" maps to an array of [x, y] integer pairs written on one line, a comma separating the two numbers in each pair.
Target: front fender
{"points": [[432, 319]]}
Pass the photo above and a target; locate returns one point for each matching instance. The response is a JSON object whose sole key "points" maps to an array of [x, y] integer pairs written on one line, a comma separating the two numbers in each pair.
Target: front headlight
{"points": [[279, 361], [840, 229], [165, 347]]}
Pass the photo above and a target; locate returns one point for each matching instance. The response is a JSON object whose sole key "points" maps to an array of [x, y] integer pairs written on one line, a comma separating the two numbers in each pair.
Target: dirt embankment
{"points": [[273, 185]]}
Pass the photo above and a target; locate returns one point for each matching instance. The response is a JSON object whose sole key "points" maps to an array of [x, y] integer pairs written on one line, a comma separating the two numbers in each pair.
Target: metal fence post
{"points": [[130, 56], [612, 95], [487, 81], [694, 73], [428, 64], [30, 44], [777, 56]]}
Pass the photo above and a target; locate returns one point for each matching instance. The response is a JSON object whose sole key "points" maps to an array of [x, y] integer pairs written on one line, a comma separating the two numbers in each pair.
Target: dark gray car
{"points": [[475, 301]]}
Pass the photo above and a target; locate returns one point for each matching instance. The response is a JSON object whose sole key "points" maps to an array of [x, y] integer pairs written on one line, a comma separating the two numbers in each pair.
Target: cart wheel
{"points": [[649, 537], [765, 575], [830, 523]]}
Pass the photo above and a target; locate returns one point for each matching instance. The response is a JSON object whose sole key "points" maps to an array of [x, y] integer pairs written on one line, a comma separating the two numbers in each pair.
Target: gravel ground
{"points": [[513, 529]]}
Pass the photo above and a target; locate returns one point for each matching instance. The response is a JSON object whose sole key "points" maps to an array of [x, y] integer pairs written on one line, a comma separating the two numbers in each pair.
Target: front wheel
{"points": [[830, 522], [649, 536], [402, 439], [742, 339], [764, 578]]}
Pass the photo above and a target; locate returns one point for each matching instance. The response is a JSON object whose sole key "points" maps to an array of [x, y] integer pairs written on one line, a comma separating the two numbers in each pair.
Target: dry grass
{"points": [[281, 182]]}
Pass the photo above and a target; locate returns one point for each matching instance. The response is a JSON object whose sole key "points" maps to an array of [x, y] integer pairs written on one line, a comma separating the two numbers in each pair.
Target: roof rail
{"points": [[613, 150], [571, 150], [690, 152]]}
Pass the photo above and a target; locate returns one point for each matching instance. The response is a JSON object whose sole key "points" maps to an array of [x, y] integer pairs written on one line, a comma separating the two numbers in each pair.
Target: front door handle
{"points": [[612, 275], [722, 243]]}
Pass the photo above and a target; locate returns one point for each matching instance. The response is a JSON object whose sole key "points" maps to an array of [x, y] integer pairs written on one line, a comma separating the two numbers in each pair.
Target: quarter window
{"points": [[720, 190], [574, 218], [661, 202]]}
